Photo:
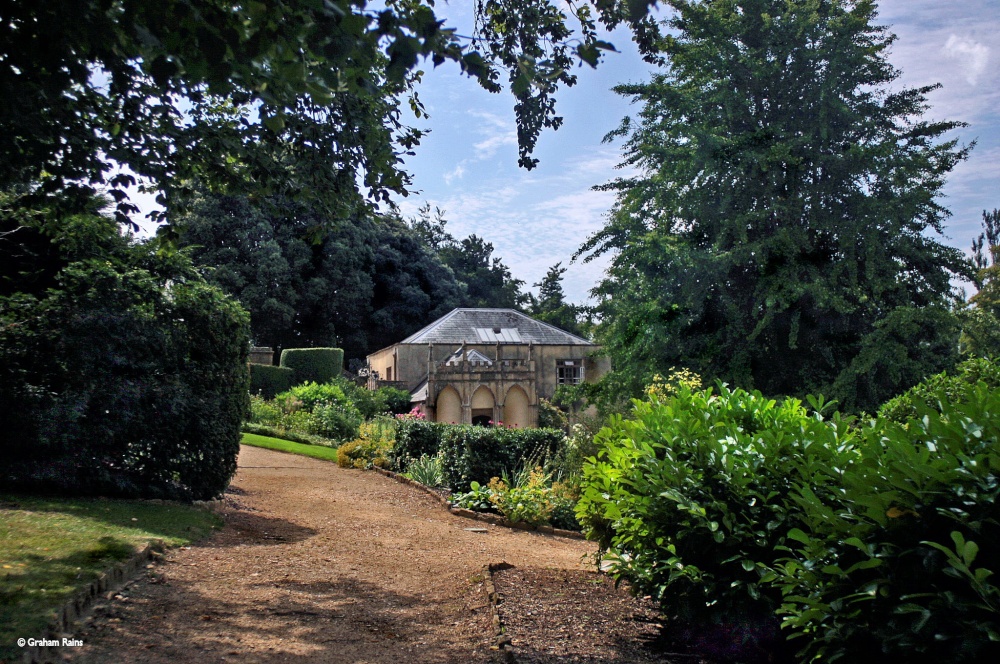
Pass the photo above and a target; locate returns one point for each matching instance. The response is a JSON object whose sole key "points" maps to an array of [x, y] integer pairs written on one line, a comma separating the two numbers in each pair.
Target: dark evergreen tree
{"points": [[359, 286], [981, 319], [778, 233], [551, 306], [487, 281]]}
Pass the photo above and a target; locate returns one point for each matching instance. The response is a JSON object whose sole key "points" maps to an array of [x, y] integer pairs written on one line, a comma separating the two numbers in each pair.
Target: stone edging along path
{"points": [[495, 519], [77, 607]]}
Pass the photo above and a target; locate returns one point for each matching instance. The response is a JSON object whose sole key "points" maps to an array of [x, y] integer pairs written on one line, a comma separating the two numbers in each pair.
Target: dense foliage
{"points": [[779, 231], [941, 389], [981, 320], [317, 365], [268, 380], [861, 537], [293, 96], [125, 375], [359, 286], [474, 453], [695, 489]]}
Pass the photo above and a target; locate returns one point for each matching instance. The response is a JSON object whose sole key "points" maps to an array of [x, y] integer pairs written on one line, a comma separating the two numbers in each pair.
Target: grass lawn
{"points": [[315, 451], [52, 547]]}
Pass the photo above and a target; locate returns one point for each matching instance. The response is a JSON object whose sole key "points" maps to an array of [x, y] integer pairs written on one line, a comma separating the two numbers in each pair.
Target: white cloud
{"points": [[972, 56], [455, 174]]}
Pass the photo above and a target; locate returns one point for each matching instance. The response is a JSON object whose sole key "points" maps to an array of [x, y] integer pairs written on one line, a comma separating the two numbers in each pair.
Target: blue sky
{"points": [[468, 163]]}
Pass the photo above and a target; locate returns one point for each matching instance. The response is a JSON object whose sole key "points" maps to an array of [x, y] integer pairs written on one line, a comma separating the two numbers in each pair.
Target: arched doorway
{"points": [[515, 408], [449, 406], [482, 406]]}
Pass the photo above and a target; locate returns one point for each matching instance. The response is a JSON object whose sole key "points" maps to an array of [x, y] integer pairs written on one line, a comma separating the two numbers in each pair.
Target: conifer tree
{"points": [[779, 231]]}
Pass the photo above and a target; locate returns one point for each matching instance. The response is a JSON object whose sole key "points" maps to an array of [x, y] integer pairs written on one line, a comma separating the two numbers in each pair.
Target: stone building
{"points": [[478, 365]]}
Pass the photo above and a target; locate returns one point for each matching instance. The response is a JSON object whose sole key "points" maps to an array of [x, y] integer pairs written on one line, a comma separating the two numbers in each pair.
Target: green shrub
{"points": [[416, 438], [525, 499], [372, 448], [320, 365], [395, 400], [478, 498], [474, 453], [267, 380], [307, 396], [127, 375], [564, 497], [901, 559], [426, 470], [942, 388], [337, 421], [691, 496], [264, 412]]}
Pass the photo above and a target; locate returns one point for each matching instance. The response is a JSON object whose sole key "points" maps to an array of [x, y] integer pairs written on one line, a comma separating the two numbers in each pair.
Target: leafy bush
{"points": [[692, 495], [337, 421], [372, 448], [126, 375], [526, 499], [309, 395], [478, 498], [473, 453], [942, 388], [564, 498], [267, 380], [551, 416], [397, 401], [900, 560], [416, 438], [319, 365], [265, 412], [426, 470]]}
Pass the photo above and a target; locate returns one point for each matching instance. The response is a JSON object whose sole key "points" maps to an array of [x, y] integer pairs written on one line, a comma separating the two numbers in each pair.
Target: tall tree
{"points": [[981, 320], [778, 233], [230, 92], [359, 285], [486, 280], [550, 305]]}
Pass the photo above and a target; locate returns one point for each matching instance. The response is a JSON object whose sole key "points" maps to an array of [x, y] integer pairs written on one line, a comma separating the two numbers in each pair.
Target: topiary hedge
{"points": [[126, 376], [320, 365], [475, 453], [415, 438], [269, 380]]}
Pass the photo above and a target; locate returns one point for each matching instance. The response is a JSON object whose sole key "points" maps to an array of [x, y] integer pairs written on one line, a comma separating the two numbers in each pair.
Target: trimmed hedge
{"points": [[415, 438], [268, 380], [478, 454], [127, 377], [320, 365], [471, 453]]}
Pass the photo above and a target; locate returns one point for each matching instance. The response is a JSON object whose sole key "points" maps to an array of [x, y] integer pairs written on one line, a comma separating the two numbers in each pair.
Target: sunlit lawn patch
{"points": [[52, 547]]}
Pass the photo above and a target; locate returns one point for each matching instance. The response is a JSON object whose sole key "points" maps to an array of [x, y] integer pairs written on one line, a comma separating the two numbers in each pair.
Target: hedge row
{"points": [[472, 453], [728, 507], [268, 380], [319, 365], [127, 376]]}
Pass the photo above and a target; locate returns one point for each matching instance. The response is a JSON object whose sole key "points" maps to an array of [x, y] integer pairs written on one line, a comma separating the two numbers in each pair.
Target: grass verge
{"points": [[52, 547], [314, 451]]}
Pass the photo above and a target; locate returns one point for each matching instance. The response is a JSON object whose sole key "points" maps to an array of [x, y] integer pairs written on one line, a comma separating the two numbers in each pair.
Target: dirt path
{"points": [[320, 564]]}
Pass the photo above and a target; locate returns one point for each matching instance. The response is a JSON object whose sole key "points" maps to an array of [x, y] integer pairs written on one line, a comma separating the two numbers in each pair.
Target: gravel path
{"points": [[321, 564]]}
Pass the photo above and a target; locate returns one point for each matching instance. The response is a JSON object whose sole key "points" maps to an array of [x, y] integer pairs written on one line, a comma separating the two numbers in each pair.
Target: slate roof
{"points": [[478, 326]]}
